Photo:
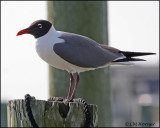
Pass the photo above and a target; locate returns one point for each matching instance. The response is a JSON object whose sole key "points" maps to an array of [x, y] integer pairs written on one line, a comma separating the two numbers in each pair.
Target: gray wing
{"points": [[83, 51]]}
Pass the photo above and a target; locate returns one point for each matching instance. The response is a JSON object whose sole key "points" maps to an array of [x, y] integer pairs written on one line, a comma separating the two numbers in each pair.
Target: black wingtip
{"points": [[129, 56], [133, 54], [129, 59]]}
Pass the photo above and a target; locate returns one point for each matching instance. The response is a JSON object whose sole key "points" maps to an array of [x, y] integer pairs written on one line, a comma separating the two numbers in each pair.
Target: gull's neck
{"points": [[51, 33]]}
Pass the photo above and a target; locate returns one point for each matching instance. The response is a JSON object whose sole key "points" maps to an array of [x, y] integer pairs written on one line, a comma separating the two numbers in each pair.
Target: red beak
{"points": [[24, 31]]}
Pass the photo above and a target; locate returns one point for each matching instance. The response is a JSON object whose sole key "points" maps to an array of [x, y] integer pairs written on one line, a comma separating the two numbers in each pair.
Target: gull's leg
{"points": [[71, 85], [73, 94], [69, 92]]}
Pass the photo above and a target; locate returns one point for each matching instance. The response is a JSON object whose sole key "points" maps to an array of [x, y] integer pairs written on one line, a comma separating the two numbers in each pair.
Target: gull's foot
{"points": [[69, 99], [56, 99]]}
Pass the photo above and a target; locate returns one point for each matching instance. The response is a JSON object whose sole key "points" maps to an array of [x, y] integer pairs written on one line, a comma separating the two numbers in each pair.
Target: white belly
{"points": [[44, 48]]}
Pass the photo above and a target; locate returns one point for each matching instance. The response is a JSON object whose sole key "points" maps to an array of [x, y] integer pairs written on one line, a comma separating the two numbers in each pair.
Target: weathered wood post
{"points": [[49, 114], [87, 18]]}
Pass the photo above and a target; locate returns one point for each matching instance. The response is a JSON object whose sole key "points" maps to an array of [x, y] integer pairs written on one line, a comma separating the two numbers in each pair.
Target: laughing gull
{"points": [[75, 53]]}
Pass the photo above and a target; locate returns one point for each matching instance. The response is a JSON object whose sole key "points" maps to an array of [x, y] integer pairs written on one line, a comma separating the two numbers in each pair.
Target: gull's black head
{"points": [[37, 29]]}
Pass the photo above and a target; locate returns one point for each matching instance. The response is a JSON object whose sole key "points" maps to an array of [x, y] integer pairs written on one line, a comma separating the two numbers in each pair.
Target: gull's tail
{"points": [[129, 56]]}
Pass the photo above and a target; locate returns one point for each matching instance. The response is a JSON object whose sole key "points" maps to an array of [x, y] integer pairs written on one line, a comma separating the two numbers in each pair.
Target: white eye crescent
{"points": [[39, 25]]}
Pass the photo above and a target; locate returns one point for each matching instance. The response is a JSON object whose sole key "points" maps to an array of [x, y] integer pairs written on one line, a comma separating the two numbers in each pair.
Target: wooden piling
{"points": [[50, 114]]}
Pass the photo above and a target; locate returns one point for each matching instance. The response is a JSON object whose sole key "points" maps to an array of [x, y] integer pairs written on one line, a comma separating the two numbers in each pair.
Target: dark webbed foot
{"points": [[56, 99], [60, 99], [68, 99]]}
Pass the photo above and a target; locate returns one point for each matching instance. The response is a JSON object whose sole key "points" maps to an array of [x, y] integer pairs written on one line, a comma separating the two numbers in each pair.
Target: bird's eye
{"points": [[39, 25]]}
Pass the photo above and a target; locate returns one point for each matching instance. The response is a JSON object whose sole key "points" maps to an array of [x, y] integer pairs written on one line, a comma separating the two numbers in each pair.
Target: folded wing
{"points": [[83, 51]]}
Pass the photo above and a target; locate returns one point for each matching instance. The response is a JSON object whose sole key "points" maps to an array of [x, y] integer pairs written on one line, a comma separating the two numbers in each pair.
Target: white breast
{"points": [[44, 48]]}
